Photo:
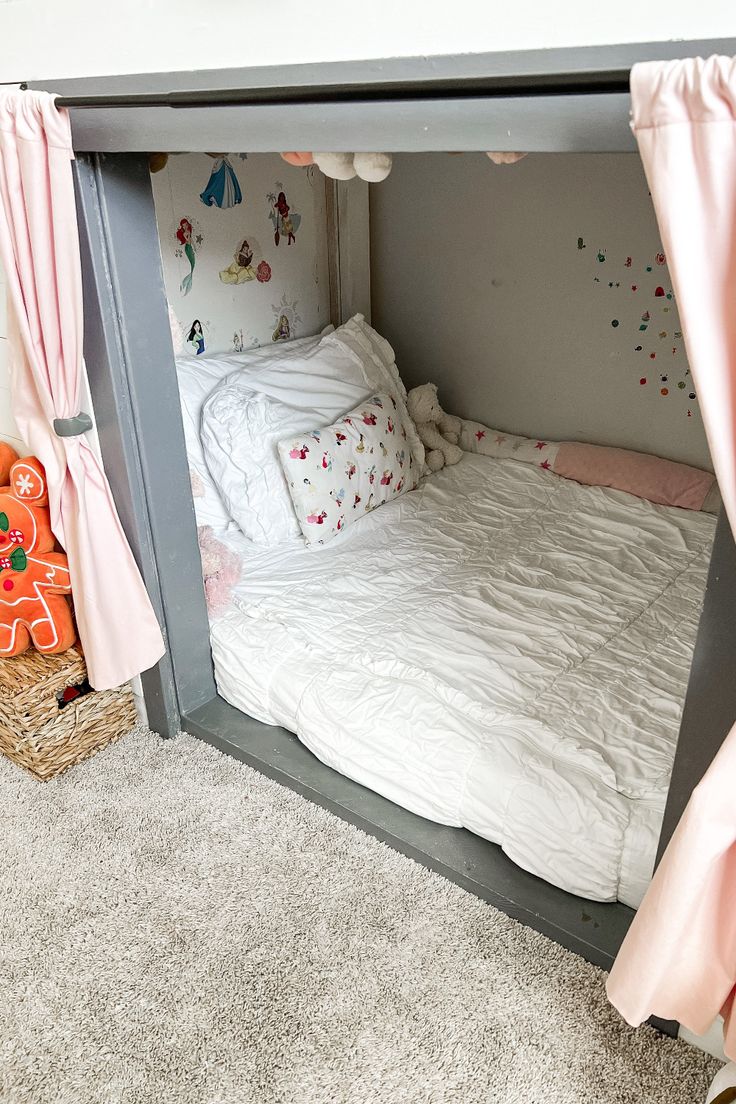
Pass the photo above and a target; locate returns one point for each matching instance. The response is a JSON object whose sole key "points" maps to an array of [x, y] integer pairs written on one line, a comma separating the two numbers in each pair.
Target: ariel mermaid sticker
{"points": [[189, 242]]}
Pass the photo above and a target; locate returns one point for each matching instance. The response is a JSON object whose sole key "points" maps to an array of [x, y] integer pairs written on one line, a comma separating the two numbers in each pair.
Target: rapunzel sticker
{"points": [[189, 238], [285, 220], [286, 319]]}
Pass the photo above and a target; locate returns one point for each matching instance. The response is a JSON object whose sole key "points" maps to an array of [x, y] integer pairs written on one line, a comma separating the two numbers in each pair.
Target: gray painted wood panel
{"points": [[130, 360]]}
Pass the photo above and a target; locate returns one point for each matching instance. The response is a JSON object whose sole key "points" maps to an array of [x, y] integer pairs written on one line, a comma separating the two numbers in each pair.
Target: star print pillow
{"points": [[338, 474], [475, 437]]}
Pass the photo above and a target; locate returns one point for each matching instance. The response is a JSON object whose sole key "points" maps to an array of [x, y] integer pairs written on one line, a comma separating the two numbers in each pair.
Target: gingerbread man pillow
{"points": [[34, 580]]}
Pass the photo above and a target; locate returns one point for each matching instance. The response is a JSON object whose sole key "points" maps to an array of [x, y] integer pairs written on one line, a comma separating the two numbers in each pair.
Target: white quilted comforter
{"points": [[501, 649]]}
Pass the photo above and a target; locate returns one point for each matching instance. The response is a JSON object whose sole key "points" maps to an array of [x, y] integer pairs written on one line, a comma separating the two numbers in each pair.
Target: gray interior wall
{"points": [[478, 281]]}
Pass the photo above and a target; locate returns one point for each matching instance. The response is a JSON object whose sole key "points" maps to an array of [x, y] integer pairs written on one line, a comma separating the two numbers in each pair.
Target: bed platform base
{"points": [[589, 928]]}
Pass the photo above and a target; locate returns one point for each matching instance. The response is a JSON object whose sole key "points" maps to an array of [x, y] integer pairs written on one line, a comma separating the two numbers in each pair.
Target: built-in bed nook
{"points": [[488, 665]]}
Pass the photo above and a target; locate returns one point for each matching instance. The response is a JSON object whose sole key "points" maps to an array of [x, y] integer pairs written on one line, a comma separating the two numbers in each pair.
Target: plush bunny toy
{"points": [[438, 432]]}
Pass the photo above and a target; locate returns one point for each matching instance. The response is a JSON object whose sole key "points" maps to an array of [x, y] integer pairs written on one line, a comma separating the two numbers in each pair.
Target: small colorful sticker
{"points": [[614, 322], [286, 319], [195, 337], [189, 238], [627, 262], [223, 189], [659, 293], [241, 270], [643, 380], [637, 348], [660, 259], [664, 390], [285, 220], [601, 255], [581, 244]]}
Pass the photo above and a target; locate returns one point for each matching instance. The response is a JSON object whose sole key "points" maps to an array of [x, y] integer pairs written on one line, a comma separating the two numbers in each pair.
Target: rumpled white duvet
{"points": [[501, 649]]}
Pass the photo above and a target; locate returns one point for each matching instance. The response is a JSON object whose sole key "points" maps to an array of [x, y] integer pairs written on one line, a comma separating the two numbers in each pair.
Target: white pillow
{"points": [[247, 415], [338, 474], [197, 376]]}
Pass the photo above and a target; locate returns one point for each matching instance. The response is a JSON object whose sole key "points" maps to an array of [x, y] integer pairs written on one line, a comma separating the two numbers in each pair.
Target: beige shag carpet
{"points": [[177, 929]]}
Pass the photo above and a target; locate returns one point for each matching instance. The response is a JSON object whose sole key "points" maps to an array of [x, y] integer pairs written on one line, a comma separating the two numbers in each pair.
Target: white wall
{"points": [[82, 38], [479, 284]]}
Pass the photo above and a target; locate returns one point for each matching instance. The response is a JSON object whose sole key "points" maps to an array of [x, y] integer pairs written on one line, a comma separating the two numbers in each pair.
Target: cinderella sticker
{"points": [[223, 189]]}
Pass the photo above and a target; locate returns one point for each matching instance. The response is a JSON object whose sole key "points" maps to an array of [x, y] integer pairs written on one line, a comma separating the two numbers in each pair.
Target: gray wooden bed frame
{"points": [[550, 100]]}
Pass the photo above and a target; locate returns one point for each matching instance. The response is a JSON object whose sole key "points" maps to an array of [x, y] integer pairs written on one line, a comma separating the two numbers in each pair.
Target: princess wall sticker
{"points": [[285, 220], [286, 319], [189, 239], [283, 329], [223, 189], [241, 270], [195, 337]]}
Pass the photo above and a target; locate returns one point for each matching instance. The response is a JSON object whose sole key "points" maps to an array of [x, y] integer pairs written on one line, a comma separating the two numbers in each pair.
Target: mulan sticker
{"points": [[195, 337], [223, 189], [190, 238], [285, 220]]}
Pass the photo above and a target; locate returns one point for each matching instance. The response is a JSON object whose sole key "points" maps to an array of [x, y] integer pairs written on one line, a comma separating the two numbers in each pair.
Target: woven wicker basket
{"points": [[43, 732]]}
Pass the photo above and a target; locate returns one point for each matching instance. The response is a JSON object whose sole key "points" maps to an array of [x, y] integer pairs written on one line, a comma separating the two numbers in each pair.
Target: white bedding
{"points": [[501, 649]]}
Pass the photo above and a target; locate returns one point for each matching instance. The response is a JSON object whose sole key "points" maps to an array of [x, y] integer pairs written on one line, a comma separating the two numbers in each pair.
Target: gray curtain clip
{"points": [[73, 427]]}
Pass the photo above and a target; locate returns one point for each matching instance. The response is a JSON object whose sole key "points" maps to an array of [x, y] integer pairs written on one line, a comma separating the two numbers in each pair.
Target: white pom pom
{"points": [[338, 166], [373, 167]]}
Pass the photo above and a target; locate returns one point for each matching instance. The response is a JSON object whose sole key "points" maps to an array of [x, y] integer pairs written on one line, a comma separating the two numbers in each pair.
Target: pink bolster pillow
{"points": [[645, 476]]}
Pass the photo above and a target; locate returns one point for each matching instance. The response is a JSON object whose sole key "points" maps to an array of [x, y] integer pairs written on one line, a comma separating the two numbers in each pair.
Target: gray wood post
{"points": [[130, 364]]}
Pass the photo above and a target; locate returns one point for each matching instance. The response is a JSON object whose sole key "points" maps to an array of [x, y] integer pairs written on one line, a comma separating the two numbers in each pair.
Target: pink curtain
{"points": [[39, 251], [679, 958]]}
